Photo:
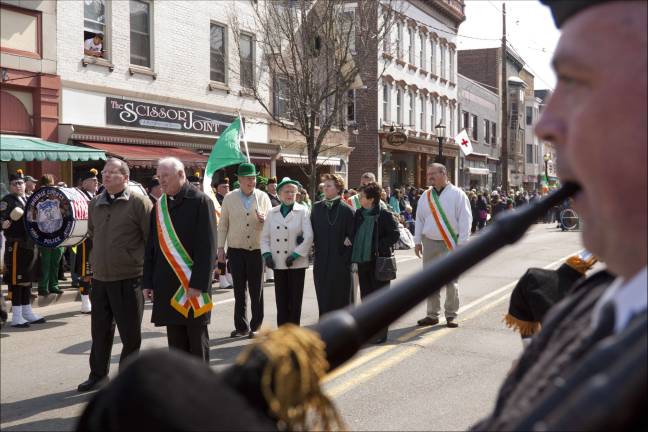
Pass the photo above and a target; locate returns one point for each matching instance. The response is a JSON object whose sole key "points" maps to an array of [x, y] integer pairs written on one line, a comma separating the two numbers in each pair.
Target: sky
{"points": [[529, 29]]}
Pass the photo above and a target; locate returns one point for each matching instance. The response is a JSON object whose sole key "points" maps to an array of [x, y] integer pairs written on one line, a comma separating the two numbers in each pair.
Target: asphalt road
{"points": [[421, 379]]}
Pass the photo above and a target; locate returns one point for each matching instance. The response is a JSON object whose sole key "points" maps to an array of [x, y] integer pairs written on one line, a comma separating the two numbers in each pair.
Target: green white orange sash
{"points": [[180, 262], [447, 233]]}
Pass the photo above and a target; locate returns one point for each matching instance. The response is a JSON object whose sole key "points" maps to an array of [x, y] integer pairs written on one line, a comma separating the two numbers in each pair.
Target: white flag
{"points": [[463, 142]]}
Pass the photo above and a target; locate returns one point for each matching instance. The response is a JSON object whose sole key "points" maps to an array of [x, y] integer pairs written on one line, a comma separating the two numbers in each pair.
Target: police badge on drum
{"points": [[57, 217]]}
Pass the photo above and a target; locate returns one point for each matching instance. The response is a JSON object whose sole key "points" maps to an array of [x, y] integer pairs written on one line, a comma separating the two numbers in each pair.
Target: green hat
{"points": [[287, 180], [246, 170]]}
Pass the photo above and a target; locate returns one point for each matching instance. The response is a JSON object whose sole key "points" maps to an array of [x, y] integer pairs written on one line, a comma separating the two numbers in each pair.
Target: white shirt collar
{"points": [[629, 299]]}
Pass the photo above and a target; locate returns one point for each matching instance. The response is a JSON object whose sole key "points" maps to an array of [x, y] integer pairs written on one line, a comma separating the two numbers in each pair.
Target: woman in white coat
{"points": [[285, 243]]}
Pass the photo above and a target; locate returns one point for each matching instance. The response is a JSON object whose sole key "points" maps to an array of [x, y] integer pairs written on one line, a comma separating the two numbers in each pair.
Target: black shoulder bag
{"points": [[385, 266]]}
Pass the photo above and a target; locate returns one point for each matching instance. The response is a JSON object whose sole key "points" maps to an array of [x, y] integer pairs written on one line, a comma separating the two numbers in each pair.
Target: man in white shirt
{"points": [[93, 46], [443, 221]]}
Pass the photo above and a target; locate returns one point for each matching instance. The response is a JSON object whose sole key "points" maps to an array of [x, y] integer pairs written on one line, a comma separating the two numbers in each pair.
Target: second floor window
{"points": [[247, 60], [217, 53], [442, 73], [493, 133], [399, 41], [385, 101], [451, 54], [432, 114], [432, 56], [94, 27], [351, 115], [399, 106], [474, 128], [281, 98], [529, 116], [422, 51], [140, 33], [422, 114], [487, 131], [466, 120], [412, 111]]}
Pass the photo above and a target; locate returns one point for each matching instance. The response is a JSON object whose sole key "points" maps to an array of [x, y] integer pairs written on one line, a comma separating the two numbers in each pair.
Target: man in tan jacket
{"points": [[118, 225], [242, 216]]}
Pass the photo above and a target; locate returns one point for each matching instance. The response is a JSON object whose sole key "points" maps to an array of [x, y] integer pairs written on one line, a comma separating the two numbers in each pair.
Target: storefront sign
{"points": [[396, 138], [124, 112]]}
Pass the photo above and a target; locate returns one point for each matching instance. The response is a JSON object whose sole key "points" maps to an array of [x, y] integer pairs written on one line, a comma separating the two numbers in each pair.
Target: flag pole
{"points": [[247, 152]]}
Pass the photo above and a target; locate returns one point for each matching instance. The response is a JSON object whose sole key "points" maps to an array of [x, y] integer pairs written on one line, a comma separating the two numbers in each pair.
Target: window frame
{"points": [[252, 59], [465, 120], [442, 65], [399, 106], [433, 68], [474, 129], [149, 3], [451, 65], [422, 55], [351, 104], [106, 30], [486, 131], [386, 95], [529, 115], [277, 96], [225, 52], [411, 110], [423, 113], [412, 45], [433, 111], [494, 133], [399, 40]]}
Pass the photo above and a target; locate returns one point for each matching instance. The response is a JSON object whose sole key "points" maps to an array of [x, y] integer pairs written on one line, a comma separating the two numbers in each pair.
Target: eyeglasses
{"points": [[17, 182], [111, 172]]}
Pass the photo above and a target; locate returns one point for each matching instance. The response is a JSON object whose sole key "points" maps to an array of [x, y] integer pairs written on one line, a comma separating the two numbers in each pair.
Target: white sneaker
{"points": [[86, 306], [223, 282], [30, 316], [17, 319]]}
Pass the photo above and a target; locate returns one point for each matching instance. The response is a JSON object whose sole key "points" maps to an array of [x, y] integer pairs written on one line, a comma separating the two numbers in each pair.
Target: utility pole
{"points": [[504, 103]]}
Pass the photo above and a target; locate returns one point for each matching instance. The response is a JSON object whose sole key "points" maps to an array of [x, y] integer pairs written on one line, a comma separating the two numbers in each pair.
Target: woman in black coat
{"points": [[375, 233]]}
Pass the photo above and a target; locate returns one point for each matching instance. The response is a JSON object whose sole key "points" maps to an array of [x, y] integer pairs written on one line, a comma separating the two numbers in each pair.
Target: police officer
{"points": [[20, 254], [88, 187]]}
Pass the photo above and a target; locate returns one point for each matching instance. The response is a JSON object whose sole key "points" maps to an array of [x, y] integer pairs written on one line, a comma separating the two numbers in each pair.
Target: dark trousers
{"points": [[193, 340], [20, 294], [247, 269], [369, 284], [289, 291], [120, 302]]}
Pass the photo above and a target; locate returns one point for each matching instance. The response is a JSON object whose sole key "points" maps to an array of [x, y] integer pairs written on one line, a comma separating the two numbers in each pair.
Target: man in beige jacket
{"points": [[243, 214], [118, 225]]}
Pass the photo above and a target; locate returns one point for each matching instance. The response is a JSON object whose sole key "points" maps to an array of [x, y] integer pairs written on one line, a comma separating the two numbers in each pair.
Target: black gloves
{"points": [[300, 239], [290, 260], [269, 262]]}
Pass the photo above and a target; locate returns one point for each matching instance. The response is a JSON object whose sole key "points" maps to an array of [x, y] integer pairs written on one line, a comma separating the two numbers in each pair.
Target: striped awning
{"points": [[27, 149]]}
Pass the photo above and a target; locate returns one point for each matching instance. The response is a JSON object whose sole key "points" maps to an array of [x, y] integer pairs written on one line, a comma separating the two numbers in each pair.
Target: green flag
{"points": [[226, 152]]}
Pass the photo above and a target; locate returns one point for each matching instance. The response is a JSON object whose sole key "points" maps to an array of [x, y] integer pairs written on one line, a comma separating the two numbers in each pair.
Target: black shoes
{"points": [[91, 384], [252, 335], [427, 321], [451, 323], [237, 333]]}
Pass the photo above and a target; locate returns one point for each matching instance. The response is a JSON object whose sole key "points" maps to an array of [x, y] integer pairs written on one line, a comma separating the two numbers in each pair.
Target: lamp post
{"points": [[440, 132], [547, 158]]}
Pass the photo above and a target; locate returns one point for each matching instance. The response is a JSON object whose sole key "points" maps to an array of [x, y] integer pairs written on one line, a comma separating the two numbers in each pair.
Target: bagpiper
{"points": [[20, 254], [88, 188]]}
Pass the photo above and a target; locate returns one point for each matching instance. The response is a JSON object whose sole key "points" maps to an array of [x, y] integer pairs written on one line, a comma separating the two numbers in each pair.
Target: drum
{"points": [[57, 216]]}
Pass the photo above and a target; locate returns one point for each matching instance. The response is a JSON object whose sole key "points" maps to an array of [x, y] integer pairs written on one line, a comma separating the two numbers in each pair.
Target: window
{"points": [[422, 51], [217, 50], [246, 54], [412, 111], [422, 115], [399, 106], [451, 53], [493, 133], [529, 153], [452, 122], [529, 116], [351, 106], [94, 20], [387, 41], [412, 45], [487, 131], [466, 120], [281, 98], [443, 62], [475, 128], [432, 56], [432, 114], [348, 19], [385, 102], [140, 33], [443, 115], [399, 41]]}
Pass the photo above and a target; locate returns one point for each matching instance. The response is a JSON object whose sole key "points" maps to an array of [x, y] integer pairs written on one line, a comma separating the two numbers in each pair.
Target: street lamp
{"points": [[547, 158], [440, 133]]}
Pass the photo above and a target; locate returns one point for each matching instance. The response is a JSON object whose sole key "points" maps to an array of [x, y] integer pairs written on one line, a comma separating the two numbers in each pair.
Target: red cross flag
{"points": [[463, 142]]}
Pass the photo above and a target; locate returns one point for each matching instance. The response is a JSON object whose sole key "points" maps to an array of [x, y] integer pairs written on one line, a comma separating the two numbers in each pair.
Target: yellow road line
{"points": [[406, 352]]}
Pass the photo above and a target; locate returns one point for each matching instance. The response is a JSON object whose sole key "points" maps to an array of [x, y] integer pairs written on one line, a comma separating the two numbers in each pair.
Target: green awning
{"points": [[27, 149]]}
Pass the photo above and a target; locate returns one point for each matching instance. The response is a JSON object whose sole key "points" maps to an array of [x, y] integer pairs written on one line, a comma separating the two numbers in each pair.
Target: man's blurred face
{"points": [[156, 191], [247, 184], [90, 184], [171, 180], [436, 177], [272, 188], [330, 190], [364, 181], [17, 187], [30, 186], [113, 179], [223, 189], [596, 118]]}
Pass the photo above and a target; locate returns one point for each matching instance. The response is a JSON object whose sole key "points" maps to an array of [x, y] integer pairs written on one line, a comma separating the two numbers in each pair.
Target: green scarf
{"points": [[285, 209], [364, 236], [330, 202]]}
